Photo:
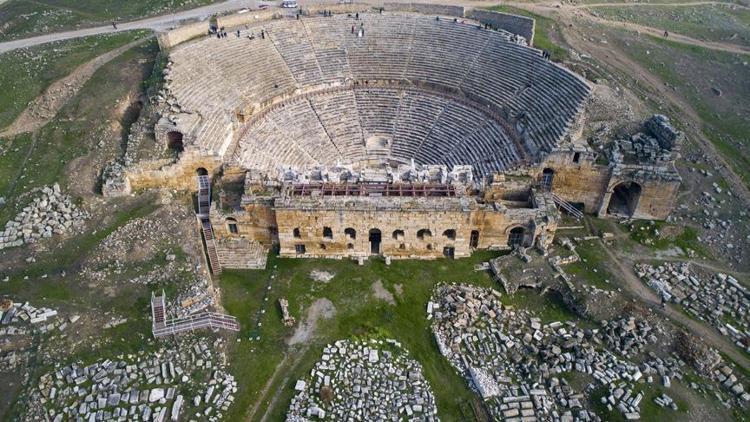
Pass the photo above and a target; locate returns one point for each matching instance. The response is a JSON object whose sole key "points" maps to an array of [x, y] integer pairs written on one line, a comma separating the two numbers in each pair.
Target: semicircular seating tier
{"points": [[317, 94]]}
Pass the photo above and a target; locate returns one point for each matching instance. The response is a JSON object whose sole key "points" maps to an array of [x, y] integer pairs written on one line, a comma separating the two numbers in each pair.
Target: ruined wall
{"points": [[171, 38], [246, 18], [519, 25], [492, 225], [657, 198], [425, 8], [312, 222], [256, 222], [582, 182], [164, 174]]}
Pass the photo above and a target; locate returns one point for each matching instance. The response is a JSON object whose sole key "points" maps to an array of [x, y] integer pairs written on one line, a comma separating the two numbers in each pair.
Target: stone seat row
{"points": [[321, 130], [212, 75]]}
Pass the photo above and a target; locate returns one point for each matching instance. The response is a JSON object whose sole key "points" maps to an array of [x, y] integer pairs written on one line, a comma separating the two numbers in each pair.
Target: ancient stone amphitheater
{"points": [[396, 134], [391, 86]]}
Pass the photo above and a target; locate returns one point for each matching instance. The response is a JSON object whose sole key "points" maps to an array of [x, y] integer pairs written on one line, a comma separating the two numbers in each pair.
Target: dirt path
{"points": [[678, 4], [155, 23], [321, 308], [45, 107], [637, 288], [579, 11], [692, 261], [277, 393], [267, 387]]}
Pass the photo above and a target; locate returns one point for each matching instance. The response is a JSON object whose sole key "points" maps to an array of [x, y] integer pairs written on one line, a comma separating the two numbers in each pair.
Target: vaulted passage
{"points": [[375, 239], [624, 200], [516, 237], [174, 141]]}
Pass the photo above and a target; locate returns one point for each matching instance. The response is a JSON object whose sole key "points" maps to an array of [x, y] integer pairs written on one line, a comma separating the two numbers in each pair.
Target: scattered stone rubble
{"points": [[364, 380], [48, 214], [144, 251], [20, 320], [165, 385], [516, 363], [719, 298], [286, 318]]}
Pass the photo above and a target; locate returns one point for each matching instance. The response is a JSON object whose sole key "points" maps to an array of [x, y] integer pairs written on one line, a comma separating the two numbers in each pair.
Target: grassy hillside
{"points": [[28, 72], [23, 18]]}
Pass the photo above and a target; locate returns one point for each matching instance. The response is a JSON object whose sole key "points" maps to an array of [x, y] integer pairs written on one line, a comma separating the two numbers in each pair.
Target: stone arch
{"points": [[201, 171], [375, 238], [624, 199], [450, 234], [516, 236], [398, 234], [424, 234], [474, 239], [174, 141], [350, 233]]}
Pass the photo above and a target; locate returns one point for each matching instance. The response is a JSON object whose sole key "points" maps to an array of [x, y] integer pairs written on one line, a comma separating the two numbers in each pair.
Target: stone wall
{"points": [[256, 222], [166, 174], [246, 18], [492, 225], [171, 38], [657, 199], [582, 182], [519, 25], [425, 8]]}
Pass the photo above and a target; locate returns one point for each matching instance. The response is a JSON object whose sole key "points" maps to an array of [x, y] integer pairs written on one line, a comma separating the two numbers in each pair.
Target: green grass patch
{"points": [[661, 235], [696, 73], [358, 313], [64, 257], [28, 72], [710, 22], [649, 410], [24, 18], [546, 31], [591, 268]]}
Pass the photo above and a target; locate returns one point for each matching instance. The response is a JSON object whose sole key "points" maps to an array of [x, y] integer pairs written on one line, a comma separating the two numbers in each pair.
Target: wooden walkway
{"points": [[163, 327]]}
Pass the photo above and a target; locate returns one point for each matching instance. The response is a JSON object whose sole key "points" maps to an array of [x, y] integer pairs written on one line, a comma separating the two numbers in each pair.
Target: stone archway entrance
{"points": [[474, 239], [624, 199], [515, 238], [375, 239], [174, 141]]}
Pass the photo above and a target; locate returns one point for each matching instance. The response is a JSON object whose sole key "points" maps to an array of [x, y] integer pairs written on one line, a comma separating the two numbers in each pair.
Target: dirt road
{"points": [[707, 333], [154, 23]]}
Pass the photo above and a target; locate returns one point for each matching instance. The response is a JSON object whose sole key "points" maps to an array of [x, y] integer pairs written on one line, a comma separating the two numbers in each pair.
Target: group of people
{"points": [[221, 33]]}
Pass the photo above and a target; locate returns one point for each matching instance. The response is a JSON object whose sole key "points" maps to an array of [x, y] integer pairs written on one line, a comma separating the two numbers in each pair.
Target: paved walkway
{"points": [[154, 23]]}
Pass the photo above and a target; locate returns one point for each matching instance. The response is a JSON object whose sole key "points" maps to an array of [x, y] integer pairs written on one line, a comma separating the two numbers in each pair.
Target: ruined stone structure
{"points": [[399, 134]]}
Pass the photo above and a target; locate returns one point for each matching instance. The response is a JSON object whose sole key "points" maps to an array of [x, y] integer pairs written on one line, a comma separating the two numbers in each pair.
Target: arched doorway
{"points": [[200, 171], [474, 239], [516, 236], [547, 176], [174, 141], [375, 239], [624, 199]]}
